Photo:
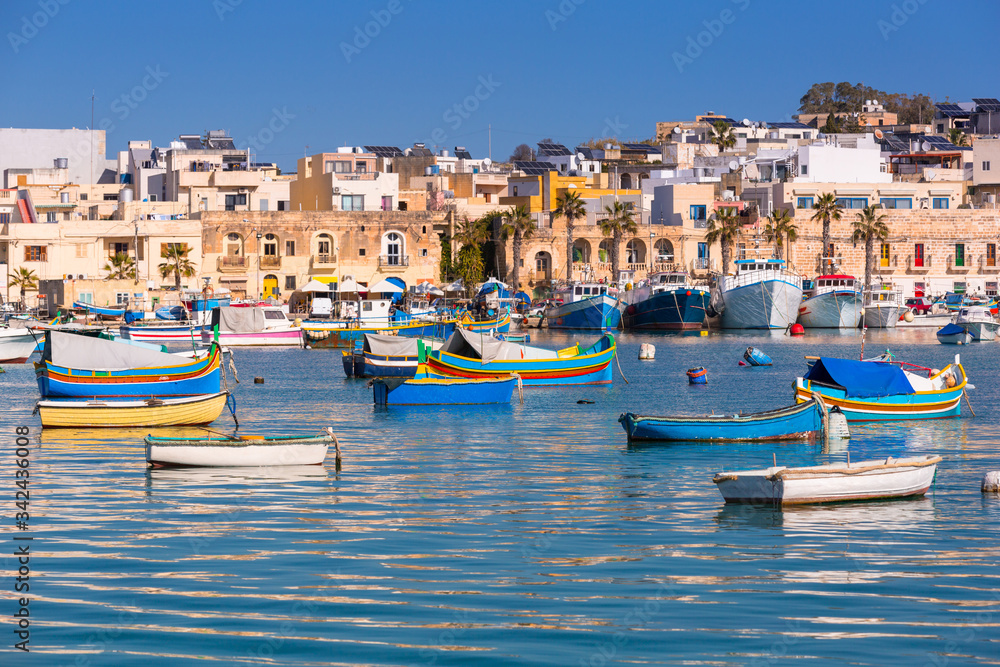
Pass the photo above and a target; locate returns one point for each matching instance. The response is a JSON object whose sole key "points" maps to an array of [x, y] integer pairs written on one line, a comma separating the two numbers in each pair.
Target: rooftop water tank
{"points": [[126, 194], [64, 197], [61, 163]]}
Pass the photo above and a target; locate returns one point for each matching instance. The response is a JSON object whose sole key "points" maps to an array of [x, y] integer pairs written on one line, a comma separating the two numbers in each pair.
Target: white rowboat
{"points": [[237, 451]]}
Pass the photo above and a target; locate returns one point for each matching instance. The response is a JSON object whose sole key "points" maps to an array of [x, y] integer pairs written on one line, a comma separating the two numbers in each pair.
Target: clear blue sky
{"points": [[569, 69]]}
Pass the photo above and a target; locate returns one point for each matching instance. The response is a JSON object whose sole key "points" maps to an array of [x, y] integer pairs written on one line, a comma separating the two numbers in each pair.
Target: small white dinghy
{"points": [[836, 482], [240, 451]]}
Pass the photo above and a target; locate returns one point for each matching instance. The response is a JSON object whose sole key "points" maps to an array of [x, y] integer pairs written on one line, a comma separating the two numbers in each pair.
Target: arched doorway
{"points": [[626, 181], [324, 248], [664, 251], [635, 252], [543, 266], [392, 249], [604, 251], [270, 286], [581, 251]]}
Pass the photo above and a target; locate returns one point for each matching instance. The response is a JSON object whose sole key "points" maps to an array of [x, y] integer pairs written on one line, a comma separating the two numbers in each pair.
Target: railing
{"points": [[353, 176], [701, 263], [325, 258], [270, 261], [700, 224], [913, 267], [827, 265], [955, 267], [233, 263], [390, 261]]}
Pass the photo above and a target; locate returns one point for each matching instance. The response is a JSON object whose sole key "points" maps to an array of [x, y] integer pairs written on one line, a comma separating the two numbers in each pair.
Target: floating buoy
{"points": [[798, 329], [908, 316], [837, 425], [298, 322], [704, 333], [647, 351], [258, 380], [697, 375], [991, 482]]}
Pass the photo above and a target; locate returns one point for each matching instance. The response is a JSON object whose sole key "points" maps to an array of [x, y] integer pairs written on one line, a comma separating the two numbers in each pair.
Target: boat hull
{"points": [[445, 391], [16, 345], [881, 316], [921, 405], [797, 422], [274, 337], [769, 304], [671, 310], [319, 335], [839, 309], [598, 312], [498, 325], [163, 334], [186, 411], [981, 331], [220, 452], [867, 480]]}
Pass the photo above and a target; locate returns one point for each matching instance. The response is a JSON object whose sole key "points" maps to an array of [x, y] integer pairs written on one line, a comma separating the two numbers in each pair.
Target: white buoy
{"points": [[838, 427], [991, 482], [647, 351], [908, 316]]}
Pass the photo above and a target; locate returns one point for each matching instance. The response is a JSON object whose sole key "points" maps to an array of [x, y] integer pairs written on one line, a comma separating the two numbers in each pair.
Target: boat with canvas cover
{"points": [[238, 451], [427, 388], [837, 482], [884, 390], [952, 334], [91, 412], [382, 356], [795, 422], [251, 326], [80, 366], [477, 355]]}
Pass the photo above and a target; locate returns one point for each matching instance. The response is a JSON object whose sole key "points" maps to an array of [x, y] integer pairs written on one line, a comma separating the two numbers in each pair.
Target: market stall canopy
{"points": [[385, 287], [316, 286], [347, 285], [457, 286]]}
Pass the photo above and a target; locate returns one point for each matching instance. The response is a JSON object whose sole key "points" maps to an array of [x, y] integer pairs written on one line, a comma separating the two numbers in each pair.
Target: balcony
{"points": [[954, 266], [357, 176], [987, 264], [828, 265], [923, 267], [324, 261], [236, 179], [195, 179], [233, 264], [890, 265], [393, 262], [270, 261]]}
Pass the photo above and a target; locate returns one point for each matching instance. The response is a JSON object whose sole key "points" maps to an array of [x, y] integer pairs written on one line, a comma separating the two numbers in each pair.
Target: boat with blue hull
{"points": [[584, 306], [380, 356], [471, 355], [427, 388], [762, 295], [109, 311], [833, 304], [669, 302], [881, 391], [795, 422], [341, 334], [952, 334]]}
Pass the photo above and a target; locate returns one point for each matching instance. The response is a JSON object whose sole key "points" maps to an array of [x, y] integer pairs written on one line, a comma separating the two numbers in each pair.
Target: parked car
{"points": [[919, 305]]}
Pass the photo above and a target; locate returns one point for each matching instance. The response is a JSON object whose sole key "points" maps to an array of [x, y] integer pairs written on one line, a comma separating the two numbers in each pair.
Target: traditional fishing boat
{"points": [[178, 323], [339, 334], [114, 312], [755, 357], [697, 375], [670, 301], [499, 324], [428, 388], [889, 390], [473, 355], [247, 450], [257, 326], [883, 307], [795, 422], [978, 321], [91, 412], [763, 294], [16, 345], [837, 482], [584, 306], [387, 356], [833, 304], [952, 334], [80, 366]]}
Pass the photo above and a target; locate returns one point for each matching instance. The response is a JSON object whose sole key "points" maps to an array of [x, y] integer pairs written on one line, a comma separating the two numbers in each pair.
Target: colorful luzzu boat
{"points": [[472, 355], [877, 391], [499, 325], [427, 388], [107, 368]]}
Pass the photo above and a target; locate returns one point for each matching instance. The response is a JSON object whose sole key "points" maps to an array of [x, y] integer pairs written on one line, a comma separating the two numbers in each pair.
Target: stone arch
{"points": [[604, 250], [581, 251], [542, 265], [626, 181], [393, 248], [663, 251], [635, 252]]}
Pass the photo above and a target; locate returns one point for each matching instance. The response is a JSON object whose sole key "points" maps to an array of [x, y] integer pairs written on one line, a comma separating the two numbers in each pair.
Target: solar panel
{"points": [[789, 125], [588, 153], [727, 121], [462, 154], [987, 103], [892, 143], [645, 148], [546, 148], [384, 151], [951, 110], [939, 143], [535, 168]]}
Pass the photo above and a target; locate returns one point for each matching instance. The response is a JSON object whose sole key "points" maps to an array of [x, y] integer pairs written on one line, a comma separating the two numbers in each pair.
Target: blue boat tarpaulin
{"points": [[860, 379], [523, 297], [950, 330]]}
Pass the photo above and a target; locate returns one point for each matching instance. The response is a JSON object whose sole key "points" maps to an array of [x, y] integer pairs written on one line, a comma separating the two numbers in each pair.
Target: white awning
{"points": [[385, 287]]}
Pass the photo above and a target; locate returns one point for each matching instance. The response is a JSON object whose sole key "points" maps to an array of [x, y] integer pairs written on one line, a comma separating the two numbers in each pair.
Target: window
{"points": [[885, 255], [282, 205], [36, 253], [698, 212], [392, 245], [991, 289], [4, 218], [234, 237], [167, 247], [991, 254], [986, 165], [852, 202], [387, 203], [121, 298], [85, 297], [959, 288], [290, 282], [804, 202], [270, 245], [352, 203], [959, 254], [804, 169], [51, 217], [81, 250], [152, 197], [264, 204], [328, 166], [290, 248], [323, 245], [896, 202], [515, 191], [232, 201], [423, 252], [110, 196], [119, 249], [940, 202], [83, 196], [361, 252], [341, 167], [918, 254]]}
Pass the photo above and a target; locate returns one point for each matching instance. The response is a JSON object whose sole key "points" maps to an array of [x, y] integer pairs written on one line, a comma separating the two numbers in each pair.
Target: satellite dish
{"points": [[581, 156], [746, 122], [487, 162], [929, 174], [821, 136], [879, 134], [925, 146], [875, 102], [733, 165], [677, 129]]}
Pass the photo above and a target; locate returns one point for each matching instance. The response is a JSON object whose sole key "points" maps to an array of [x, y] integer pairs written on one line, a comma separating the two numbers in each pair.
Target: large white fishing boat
{"points": [[834, 304], [883, 306], [763, 294], [978, 321]]}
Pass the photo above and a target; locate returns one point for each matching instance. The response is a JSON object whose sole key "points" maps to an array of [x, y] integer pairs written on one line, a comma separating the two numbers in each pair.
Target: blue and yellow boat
{"points": [[471, 355], [500, 324], [877, 390], [428, 388], [795, 422]]}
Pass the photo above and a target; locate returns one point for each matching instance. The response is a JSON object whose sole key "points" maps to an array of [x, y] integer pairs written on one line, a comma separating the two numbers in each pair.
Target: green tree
{"points": [[24, 279], [177, 263], [616, 225], [780, 230], [444, 266], [120, 267], [570, 206], [957, 137], [471, 234], [827, 209], [724, 228], [722, 135], [518, 226], [833, 125], [868, 227]]}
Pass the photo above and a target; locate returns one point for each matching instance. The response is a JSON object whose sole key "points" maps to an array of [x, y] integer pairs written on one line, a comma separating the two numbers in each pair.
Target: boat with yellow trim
{"points": [[105, 412]]}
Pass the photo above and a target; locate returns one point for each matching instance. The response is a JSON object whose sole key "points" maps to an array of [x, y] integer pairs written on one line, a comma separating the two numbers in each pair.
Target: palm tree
{"points": [[491, 223], [24, 279], [518, 226], [471, 234], [722, 135], [869, 226], [723, 228], [957, 137], [618, 223], [570, 206], [177, 263], [120, 267], [827, 209], [780, 229]]}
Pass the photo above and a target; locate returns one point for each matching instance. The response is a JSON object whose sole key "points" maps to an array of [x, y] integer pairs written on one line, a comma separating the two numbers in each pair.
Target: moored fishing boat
{"points": [[584, 306], [952, 334], [253, 326], [427, 388], [473, 355], [16, 345], [388, 356], [978, 321], [795, 422], [762, 295], [883, 307], [834, 303], [499, 324], [95, 412], [668, 302], [238, 451], [836, 482], [877, 390], [339, 334], [115, 312]]}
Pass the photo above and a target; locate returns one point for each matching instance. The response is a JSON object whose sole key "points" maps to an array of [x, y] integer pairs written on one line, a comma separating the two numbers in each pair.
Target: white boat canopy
{"points": [[96, 354]]}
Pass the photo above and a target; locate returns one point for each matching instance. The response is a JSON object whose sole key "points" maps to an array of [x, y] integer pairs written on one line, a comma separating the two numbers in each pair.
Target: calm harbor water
{"points": [[523, 534]]}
